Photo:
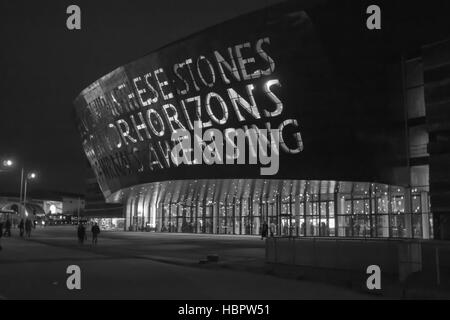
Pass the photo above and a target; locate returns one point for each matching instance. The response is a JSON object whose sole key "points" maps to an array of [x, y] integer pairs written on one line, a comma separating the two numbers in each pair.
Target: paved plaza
{"points": [[142, 265]]}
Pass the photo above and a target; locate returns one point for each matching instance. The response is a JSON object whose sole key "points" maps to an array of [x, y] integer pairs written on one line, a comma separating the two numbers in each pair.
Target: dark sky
{"points": [[44, 66]]}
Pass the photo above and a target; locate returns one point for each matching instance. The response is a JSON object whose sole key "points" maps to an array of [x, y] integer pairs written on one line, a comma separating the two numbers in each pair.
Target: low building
{"points": [[48, 206]]}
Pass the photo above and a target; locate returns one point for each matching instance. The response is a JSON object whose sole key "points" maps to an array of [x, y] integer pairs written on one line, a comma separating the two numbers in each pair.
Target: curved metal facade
{"points": [[270, 69], [258, 71]]}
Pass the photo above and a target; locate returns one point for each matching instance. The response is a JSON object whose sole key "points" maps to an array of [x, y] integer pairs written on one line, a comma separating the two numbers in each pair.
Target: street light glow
{"points": [[32, 175], [8, 163]]}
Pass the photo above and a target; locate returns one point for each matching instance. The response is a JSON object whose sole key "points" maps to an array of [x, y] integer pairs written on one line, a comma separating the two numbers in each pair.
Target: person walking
{"points": [[8, 228], [1, 234], [265, 230], [21, 227], [95, 231], [81, 232], [28, 226]]}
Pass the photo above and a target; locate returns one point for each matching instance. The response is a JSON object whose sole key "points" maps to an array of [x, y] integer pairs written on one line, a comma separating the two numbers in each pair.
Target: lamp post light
{"points": [[8, 163], [29, 176], [24, 177], [21, 188]]}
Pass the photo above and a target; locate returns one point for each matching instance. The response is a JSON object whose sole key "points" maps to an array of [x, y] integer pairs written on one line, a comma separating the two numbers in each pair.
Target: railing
{"points": [[394, 257]]}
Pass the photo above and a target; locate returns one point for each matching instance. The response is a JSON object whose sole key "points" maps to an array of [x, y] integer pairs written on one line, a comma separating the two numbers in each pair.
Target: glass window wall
{"points": [[291, 208]]}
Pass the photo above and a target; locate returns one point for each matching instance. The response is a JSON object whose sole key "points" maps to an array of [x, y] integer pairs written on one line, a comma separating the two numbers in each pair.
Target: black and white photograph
{"points": [[224, 157]]}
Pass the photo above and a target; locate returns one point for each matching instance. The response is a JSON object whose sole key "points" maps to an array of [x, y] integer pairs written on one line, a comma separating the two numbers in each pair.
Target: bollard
{"points": [[438, 274]]}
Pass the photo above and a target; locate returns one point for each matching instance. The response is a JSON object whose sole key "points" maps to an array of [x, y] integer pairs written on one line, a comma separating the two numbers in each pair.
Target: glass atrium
{"points": [[297, 208]]}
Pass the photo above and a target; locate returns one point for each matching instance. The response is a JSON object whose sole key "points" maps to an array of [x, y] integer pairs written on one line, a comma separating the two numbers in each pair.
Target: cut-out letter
{"points": [[74, 20], [374, 20]]}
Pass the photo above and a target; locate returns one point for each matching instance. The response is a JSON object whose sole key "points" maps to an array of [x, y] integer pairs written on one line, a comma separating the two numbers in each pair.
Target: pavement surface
{"points": [[143, 265]]}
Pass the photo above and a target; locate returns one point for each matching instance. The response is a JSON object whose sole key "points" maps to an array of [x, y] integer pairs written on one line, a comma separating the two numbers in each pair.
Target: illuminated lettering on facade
{"points": [[228, 90]]}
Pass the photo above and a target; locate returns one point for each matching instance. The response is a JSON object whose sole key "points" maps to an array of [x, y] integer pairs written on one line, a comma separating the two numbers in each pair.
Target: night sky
{"points": [[44, 66]]}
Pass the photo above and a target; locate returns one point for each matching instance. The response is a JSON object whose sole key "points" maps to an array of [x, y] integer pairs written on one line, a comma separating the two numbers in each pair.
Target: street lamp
{"points": [[24, 177], [8, 163], [29, 176]]}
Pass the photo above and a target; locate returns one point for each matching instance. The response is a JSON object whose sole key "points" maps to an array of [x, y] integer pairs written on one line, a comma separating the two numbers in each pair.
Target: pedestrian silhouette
{"points": [[95, 231], [21, 227], [8, 228], [28, 226], [265, 230], [1, 234], [81, 232]]}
